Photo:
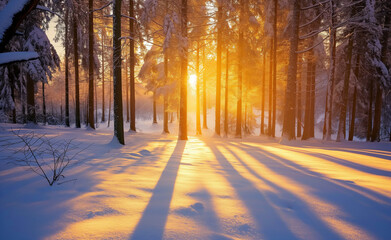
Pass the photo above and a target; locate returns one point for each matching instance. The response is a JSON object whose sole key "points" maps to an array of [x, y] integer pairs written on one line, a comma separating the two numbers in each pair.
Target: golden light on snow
{"points": [[161, 188], [193, 81]]}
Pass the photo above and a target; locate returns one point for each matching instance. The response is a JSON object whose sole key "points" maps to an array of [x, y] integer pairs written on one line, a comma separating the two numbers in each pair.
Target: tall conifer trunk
{"points": [[198, 107], [273, 130], [240, 72], [204, 105], [182, 135], [91, 121], [218, 68], [288, 129], [262, 131], [331, 82], [226, 94], [345, 93], [76, 64], [103, 77], [131, 65], [117, 78], [67, 123]]}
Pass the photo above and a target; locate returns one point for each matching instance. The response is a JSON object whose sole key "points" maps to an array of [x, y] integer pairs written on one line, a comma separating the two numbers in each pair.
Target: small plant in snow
{"points": [[47, 157]]}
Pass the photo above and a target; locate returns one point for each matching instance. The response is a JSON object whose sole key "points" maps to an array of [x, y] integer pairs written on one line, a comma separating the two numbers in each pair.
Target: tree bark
{"points": [[110, 95], [30, 100], [273, 132], [91, 121], [269, 120], [333, 44], [345, 93], [198, 110], [182, 134], [204, 109], [165, 104], [218, 69], [127, 92], [262, 131], [103, 77], [117, 74], [299, 102], [369, 124], [154, 121], [43, 104], [76, 64], [377, 117], [309, 98], [238, 133], [132, 60], [379, 92], [67, 123], [226, 94], [288, 129]]}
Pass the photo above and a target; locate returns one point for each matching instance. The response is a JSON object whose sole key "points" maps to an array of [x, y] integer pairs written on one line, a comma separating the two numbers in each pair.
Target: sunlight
{"points": [[193, 81]]}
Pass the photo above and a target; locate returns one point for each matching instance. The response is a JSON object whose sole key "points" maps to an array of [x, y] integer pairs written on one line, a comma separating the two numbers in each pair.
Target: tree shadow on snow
{"points": [[153, 220]]}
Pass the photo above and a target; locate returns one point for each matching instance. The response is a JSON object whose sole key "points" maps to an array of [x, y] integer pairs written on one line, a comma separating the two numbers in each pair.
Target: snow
{"points": [[8, 13], [156, 187], [9, 57]]}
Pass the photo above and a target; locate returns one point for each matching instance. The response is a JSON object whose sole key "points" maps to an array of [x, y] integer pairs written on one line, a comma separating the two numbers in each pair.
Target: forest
{"points": [[290, 68], [195, 119]]}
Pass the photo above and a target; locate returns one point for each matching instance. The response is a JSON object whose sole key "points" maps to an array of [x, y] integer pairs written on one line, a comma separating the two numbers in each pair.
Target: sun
{"points": [[193, 81]]}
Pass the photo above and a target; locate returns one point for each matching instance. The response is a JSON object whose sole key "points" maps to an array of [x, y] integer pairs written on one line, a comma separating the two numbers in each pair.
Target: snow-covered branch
{"points": [[11, 16], [11, 57], [43, 8]]}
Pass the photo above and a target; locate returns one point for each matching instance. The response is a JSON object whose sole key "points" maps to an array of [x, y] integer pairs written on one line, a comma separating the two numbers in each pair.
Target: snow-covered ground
{"points": [[205, 188]]}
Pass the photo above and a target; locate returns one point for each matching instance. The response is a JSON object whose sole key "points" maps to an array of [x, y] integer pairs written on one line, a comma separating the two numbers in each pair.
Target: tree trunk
{"points": [[96, 102], [182, 134], [377, 117], [117, 75], [226, 94], [165, 104], [288, 129], [273, 132], [218, 68], [91, 121], [103, 77], [127, 92], [132, 64], [262, 131], [333, 43], [11, 84], [30, 100], [269, 120], [299, 102], [43, 104], [352, 120], [308, 115], [154, 108], [67, 123], [369, 125], [76, 64], [204, 110], [313, 94], [110, 95], [240, 72], [198, 113], [345, 93]]}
